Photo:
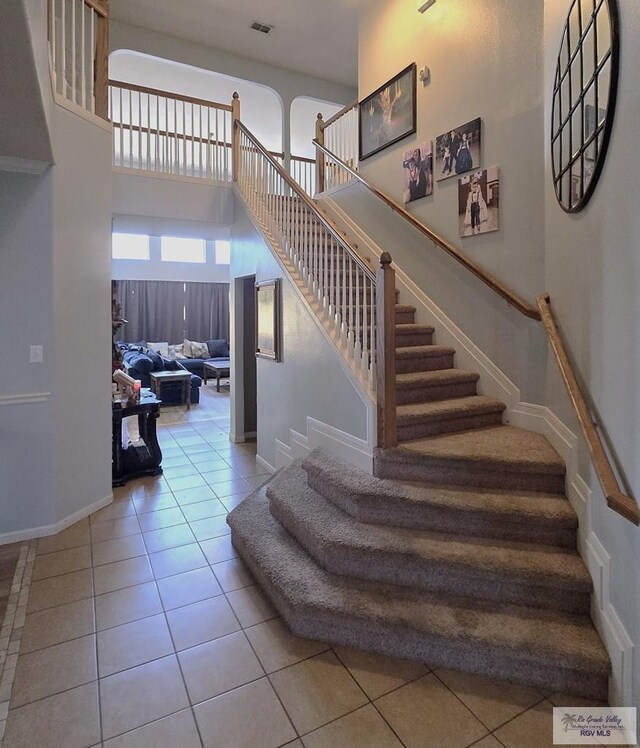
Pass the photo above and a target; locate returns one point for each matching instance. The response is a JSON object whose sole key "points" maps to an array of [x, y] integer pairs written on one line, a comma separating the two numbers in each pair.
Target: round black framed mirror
{"points": [[584, 99]]}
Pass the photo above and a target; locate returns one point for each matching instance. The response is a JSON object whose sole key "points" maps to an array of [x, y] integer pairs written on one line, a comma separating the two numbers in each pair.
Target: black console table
{"points": [[144, 457]]}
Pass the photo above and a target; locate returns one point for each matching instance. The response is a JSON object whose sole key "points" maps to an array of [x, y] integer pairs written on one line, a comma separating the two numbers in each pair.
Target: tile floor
{"points": [[144, 630]]}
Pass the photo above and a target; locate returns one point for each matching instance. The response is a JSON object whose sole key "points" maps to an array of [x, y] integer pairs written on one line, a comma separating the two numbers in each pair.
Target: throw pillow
{"points": [[218, 348], [176, 352], [186, 346], [199, 350], [161, 348]]}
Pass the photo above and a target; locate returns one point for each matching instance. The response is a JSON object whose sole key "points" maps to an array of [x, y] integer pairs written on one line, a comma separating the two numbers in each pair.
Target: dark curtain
{"points": [[207, 311]]}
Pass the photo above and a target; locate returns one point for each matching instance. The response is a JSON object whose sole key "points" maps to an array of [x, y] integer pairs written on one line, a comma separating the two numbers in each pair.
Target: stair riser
{"points": [[435, 393], [424, 363], [416, 430], [407, 340], [402, 569], [385, 511], [370, 634], [434, 473], [405, 318]]}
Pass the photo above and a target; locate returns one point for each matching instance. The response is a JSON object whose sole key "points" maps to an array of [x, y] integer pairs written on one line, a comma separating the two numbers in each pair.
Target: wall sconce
{"points": [[424, 5]]}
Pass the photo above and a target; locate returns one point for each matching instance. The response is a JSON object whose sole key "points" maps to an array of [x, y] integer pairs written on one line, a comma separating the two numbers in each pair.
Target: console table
{"points": [[183, 377], [144, 458]]}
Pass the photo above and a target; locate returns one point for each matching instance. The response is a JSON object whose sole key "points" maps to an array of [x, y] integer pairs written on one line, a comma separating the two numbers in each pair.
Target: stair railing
{"points": [[78, 32], [339, 134], [356, 305], [616, 499]]}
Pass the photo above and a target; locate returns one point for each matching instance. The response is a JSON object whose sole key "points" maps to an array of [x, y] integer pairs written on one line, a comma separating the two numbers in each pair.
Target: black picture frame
{"points": [[267, 304], [389, 114]]}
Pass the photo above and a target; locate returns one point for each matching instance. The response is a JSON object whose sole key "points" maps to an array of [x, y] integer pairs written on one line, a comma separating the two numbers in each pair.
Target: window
{"points": [[223, 253], [130, 247], [178, 249]]}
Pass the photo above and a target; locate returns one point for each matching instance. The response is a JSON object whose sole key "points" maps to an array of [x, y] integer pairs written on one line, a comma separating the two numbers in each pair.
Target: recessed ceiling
{"points": [[308, 36]]}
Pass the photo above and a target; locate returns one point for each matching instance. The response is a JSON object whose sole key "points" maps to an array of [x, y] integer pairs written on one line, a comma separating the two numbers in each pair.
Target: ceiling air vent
{"points": [[264, 27]]}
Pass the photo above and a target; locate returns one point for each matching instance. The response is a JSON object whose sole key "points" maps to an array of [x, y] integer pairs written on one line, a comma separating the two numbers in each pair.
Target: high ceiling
{"points": [[308, 36]]}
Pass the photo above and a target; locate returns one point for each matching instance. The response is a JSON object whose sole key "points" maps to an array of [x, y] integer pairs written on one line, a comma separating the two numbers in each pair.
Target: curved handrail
{"points": [[616, 499], [169, 95], [307, 201], [509, 296]]}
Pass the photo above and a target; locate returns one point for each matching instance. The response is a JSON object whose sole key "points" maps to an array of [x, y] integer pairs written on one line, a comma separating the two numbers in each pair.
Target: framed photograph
{"points": [[388, 114], [458, 150], [479, 202], [418, 172], [268, 319]]}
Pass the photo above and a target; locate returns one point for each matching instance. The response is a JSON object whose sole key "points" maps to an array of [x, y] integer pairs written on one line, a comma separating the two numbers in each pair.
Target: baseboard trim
{"points": [[25, 398], [46, 530], [266, 465]]}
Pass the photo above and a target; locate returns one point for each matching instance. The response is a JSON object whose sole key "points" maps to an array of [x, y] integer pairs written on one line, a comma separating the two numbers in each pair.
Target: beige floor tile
{"points": [[133, 644], [255, 481], [219, 474], [187, 588], [179, 471], [145, 504], [121, 574], [203, 510], [218, 549], [114, 528], [140, 695], [149, 487], [218, 666], [230, 488], [55, 625], [249, 717], [202, 622], [68, 719], [377, 674], [168, 537], [187, 483], [317, 691], [211, 527], [54, 669], [363, 728], [251, 606], [177, 560], [177, 730], [277, 648], [493, 702], [61, 562], [415, 713], [488, 742], [233, 575], [115, 510], [194, 495], [161, 518], [74, 536], [562, 699], [124, 606], [119, 549], [68, 588], [533, 729], [231, 502], [295, 744]]}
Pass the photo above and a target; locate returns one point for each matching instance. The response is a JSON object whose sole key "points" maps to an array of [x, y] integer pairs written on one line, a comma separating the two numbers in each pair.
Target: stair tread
{"points": [[505, 447], [441, 409], [405, 308], [302, 588], [334, 529], [411, 328], [419, 379], [508, 506], [423, 351]]}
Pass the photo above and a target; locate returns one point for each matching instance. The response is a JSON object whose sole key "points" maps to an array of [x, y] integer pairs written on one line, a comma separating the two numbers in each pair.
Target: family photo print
{"points": [[458, 150], [479, 202], [417, 165]]}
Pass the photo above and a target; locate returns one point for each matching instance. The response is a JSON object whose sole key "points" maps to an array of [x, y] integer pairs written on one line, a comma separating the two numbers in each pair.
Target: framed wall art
{"points": [[458, 150], [388, 114], [268, 319]]}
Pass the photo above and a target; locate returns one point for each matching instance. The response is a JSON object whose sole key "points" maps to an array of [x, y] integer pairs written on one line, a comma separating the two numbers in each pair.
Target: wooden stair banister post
{"points": [[386, 352], [101, 83], [319, 154], [235, 118]]}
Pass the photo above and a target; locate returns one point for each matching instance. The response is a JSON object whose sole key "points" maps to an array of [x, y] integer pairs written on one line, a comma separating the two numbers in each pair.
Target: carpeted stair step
{"points": [[418, 420], [405, 314], [429, 386], [519, 573], [546, 649], [543, 519], [424, 358], [502, 457], [412, 335]]}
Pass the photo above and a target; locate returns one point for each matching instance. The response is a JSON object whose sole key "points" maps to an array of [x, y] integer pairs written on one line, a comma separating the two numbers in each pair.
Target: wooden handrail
{"points": [[99, 6], [169, 95], [616, 499], [170, 134], [341, 113], [303, 159], [509, 296], [307, 201]]}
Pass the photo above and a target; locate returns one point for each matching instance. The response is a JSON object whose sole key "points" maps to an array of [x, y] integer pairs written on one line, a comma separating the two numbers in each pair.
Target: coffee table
{"points": [[160, 378], [220, 367]]}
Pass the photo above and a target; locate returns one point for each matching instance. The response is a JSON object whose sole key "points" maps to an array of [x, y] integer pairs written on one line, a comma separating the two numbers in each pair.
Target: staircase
{"points": [[460, 552]]}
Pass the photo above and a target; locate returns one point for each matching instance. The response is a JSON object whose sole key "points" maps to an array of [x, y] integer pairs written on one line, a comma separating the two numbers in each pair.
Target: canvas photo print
{"points": [[417, 165], [479, 202], [458, 150]]}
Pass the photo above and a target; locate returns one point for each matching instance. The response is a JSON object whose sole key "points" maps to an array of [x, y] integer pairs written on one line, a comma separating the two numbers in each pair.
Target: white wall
{"points": [[303, 115], [309, 381]]}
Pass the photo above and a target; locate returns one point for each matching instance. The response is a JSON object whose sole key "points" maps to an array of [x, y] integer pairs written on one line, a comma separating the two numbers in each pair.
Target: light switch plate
{"points": [[35, 354]]}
